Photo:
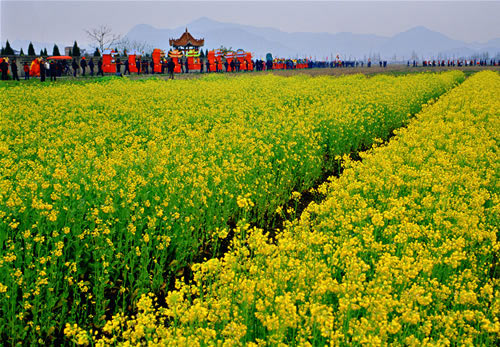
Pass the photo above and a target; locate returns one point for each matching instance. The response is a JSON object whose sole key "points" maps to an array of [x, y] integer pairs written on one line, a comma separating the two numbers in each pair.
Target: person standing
{"points": [[170, 68], [13, 68], [74, 65], [52, 70], [125, 63], [99, 68], [91, 67], [42, 70], [59, 68], [118, 66], [26, 69], [83, 65], [152, 65], [4, 67], [187, 66]]}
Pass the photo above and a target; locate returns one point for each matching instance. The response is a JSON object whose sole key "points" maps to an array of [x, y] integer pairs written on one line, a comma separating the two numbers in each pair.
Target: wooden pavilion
{"points": [[186, 42]]}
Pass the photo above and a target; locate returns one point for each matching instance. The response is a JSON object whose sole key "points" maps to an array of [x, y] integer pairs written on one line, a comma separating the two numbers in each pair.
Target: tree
{"points": [[126, 45], [55, 51], [21, 54], [31, 50], [2, 51], [97, 53], [76, 50], [41, 53], [103, 37], [8, 50]]}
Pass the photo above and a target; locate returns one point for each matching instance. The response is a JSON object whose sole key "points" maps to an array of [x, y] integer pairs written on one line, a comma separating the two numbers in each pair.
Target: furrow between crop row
{"points": [[403, 250]]}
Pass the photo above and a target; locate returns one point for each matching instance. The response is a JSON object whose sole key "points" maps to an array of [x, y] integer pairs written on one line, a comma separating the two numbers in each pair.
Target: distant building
{"points": [[67, 50], [186, 42]]}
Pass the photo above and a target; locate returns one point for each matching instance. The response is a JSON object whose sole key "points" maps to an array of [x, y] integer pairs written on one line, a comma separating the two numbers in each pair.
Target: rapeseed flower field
{"points": [[108, 190], [403, 250]]}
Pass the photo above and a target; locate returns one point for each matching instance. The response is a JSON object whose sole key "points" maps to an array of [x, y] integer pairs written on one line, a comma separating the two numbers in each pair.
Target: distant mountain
{"points": [[259, 40], [419, 41]]}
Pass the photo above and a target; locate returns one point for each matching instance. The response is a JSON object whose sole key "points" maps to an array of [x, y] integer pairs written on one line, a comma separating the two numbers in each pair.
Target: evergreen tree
{"points": [[97, 53], [31, 50], [41, 53], [55, 51], [2, 51], [21, 54], [76, 50], [8, 50], [202, 54], [45, 52]]}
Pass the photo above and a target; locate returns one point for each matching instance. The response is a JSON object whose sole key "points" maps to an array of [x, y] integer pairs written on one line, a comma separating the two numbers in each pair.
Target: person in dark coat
{"points": [[59, 68], [13, 68], [125, 63], [42, 71], [74, 65], [118, 66], [145, 66], [208, 66], [152, 65], [201, 67], [52, 70], [4, 67], [170, 68], [232, 65], [187, 67], [91, 67], [99, 68], [83, 65]]}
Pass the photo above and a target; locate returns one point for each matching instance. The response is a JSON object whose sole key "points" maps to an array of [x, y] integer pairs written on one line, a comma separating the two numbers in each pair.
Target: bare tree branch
{"points": [[140, 46], [103, 37]]}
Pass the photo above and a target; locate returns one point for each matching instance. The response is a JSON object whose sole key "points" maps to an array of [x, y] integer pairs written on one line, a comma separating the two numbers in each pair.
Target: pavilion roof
{"points": [[186, 39]]}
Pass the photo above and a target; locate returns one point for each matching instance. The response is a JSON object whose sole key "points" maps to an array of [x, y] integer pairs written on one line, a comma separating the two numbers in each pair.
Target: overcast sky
{"points": [[65, 21]]}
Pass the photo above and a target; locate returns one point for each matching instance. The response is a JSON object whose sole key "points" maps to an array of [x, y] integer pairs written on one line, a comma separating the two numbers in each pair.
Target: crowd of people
{"points": [[54, 68], [464, 62]]}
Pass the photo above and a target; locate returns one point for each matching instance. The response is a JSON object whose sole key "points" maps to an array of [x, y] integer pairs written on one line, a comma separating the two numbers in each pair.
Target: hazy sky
{"points": [[65, 21]]}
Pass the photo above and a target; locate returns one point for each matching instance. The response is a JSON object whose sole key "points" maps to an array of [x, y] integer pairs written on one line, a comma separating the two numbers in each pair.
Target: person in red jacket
{"points": [[26, 69]]}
